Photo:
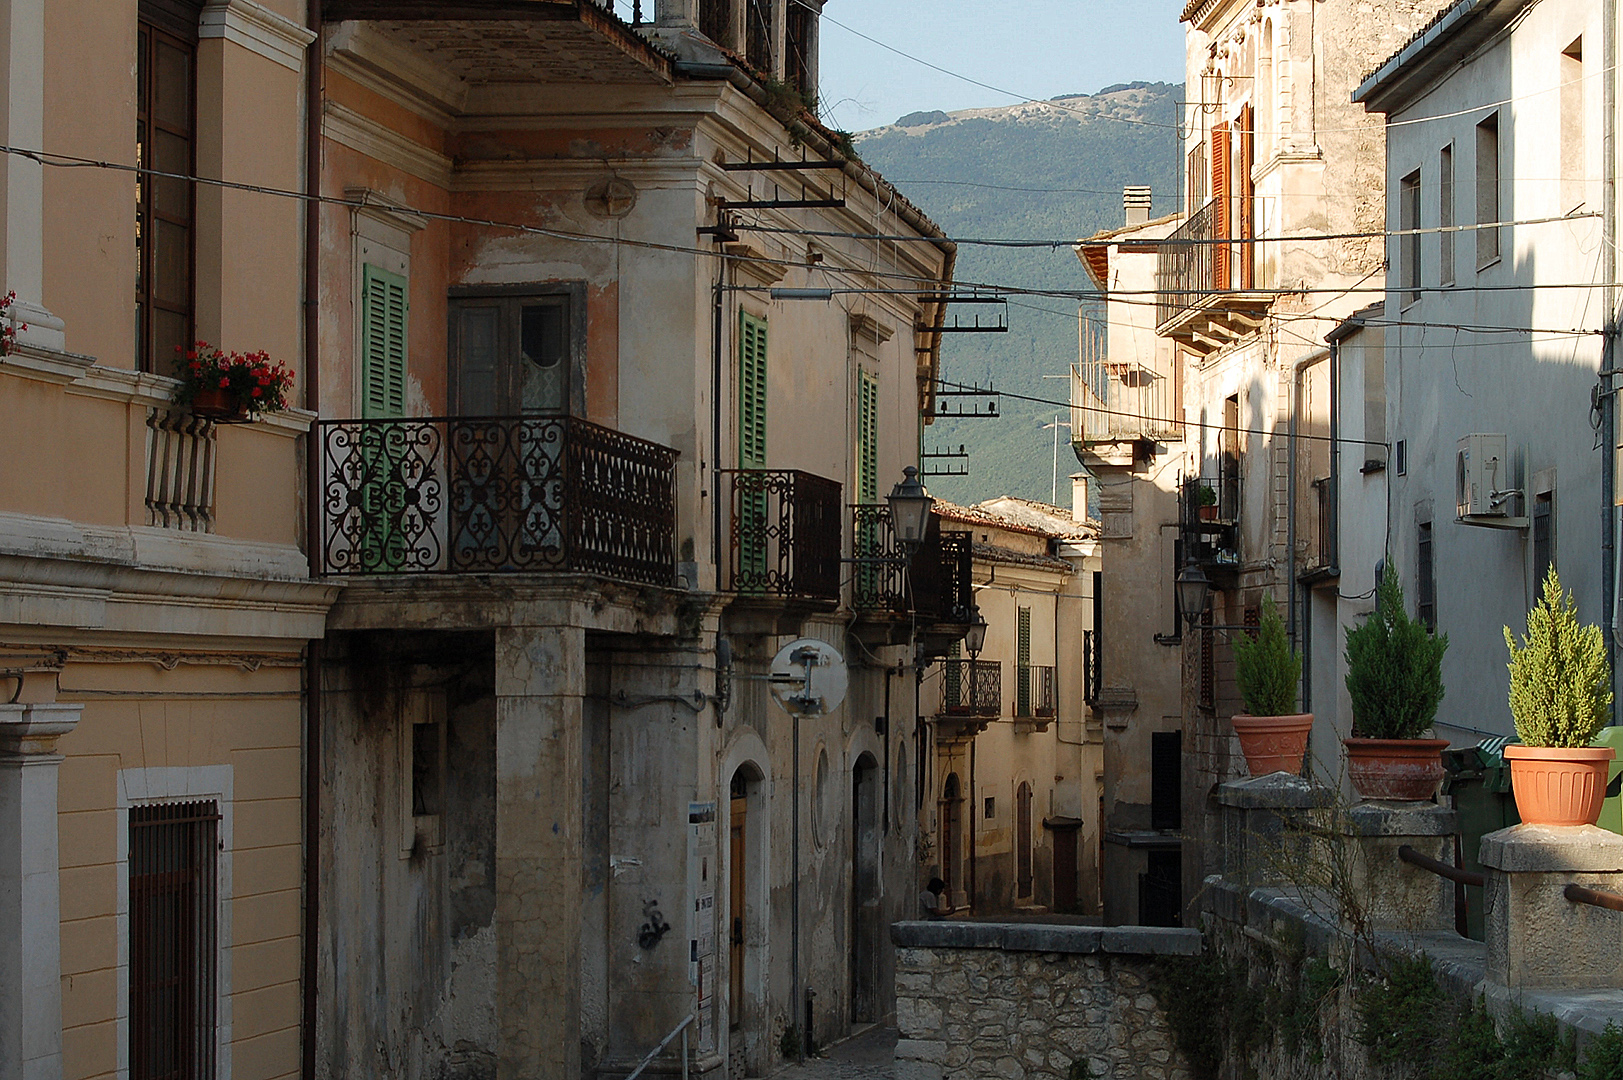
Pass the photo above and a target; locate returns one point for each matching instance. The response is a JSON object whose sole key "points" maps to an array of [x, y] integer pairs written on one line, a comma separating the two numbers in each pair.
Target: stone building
{"points": [[1518, 93], [1011, 822], [1278, 243], [154, 594], [593, 447]]}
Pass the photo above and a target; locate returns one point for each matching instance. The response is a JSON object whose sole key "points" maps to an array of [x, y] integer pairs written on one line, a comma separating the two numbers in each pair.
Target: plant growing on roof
{"points": [[1267, 669], [1394, 668], [1560, 692]]}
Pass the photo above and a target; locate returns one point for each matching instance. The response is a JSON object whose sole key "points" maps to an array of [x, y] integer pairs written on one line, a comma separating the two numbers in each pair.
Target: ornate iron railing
{"points": [[938, 573], [494, 495], [1034, 695], [1091, 666], [971, 687], [1209, 518], [1185, 266], [878, 581], [784, 534]]}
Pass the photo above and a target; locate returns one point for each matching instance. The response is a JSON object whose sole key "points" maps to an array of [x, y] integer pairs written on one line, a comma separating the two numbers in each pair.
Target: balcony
{"points": [[1119, 411], [1203, 280], [971, 697], [783, 537], [1209, 520], [1034, 692], [938, 574], [494, 495]]}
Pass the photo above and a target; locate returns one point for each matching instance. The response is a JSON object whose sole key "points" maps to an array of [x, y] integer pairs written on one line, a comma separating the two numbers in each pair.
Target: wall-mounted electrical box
{"points": [[1485, 491]]}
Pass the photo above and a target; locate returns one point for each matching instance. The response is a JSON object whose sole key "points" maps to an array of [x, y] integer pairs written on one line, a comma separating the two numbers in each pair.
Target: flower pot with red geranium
{"points": [[1269, 673], [1560, 697], [1395, 681], [229, 387]]}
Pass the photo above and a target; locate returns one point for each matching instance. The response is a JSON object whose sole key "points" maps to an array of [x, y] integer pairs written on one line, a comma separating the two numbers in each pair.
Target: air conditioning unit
{"points": [[1482, 484]]}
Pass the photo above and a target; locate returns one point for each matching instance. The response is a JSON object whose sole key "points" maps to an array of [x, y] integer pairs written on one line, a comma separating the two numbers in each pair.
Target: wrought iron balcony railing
{"points": [[1185, 266], [1209, 518], [1034, 691], [783, 534], [939, 572], [1092, 668], [972, 688], [491, 495], [1121, 402]]}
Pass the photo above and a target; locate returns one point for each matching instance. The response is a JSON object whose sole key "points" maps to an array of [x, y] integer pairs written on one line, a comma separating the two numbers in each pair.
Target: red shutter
{"points": [[1221, 194]]}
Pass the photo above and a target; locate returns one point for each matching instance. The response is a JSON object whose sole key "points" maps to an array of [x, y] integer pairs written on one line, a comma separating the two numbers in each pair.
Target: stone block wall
{"points": [[976, 1001]]}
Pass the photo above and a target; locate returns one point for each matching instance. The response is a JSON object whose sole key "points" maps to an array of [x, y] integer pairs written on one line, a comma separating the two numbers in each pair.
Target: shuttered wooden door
{"points": [[752, 509], [383, 396], [1222, 220]]}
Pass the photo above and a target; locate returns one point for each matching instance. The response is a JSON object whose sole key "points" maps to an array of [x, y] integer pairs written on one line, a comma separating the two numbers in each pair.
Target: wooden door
{"points": [[1065, 870], [735, 913]]}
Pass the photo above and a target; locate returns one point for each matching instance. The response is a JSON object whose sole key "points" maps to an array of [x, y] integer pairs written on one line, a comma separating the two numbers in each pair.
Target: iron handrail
{"points": [[1441, 869], [1578, 894], [680, 1029]]}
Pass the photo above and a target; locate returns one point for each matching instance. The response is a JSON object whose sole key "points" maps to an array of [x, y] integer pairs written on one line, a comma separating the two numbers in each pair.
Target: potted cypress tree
{"points": [[1272, 736], [1560, 697], [1395, 681]]}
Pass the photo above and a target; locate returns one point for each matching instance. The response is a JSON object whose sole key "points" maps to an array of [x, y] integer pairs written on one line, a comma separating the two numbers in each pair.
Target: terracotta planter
{"points": [[1559, 786], [1406, 770], [1273, 743], [1208, 513], [222, 406]]}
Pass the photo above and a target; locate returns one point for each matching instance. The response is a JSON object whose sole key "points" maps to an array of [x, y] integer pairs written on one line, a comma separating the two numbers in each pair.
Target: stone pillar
{"points": [[540, 680], [1272, 829], [30, 893], [22, 180], [677, 13], [1536, 937], [1401, 896]]}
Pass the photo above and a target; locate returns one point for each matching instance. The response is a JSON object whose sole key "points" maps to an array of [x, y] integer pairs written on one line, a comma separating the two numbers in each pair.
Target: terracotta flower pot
{"points": [[1406, 770], [214, 403], [1273, 743], [1559, 785], [1208, 513]]}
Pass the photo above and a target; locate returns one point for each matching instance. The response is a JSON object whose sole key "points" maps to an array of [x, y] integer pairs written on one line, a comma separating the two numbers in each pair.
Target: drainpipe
{"points": [[312, 542], [794, 883], [1608, 412], [974, 836]]}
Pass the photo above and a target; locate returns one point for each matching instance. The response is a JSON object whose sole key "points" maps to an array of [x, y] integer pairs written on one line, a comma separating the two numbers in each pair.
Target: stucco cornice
{"points": [[366, 136], [257, 29]]}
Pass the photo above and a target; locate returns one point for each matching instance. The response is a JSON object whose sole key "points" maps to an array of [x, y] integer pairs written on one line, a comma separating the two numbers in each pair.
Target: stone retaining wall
{"points": [[1012, 1001]]}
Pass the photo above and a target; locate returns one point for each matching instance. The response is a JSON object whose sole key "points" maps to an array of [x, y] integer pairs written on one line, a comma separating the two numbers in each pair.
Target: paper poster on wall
{"points": [[702, 916]]}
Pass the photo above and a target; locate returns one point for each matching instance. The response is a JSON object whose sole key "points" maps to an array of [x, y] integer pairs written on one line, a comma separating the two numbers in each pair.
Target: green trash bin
{"points": [[1478, 778], [1611, 811]]}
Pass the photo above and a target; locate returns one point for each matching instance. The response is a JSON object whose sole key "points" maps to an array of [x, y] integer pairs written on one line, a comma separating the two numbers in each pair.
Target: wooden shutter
{"points": [[868, 439], [1221, 194], [1022, 662], [1245, 197], [383, 342], [751, 392]]}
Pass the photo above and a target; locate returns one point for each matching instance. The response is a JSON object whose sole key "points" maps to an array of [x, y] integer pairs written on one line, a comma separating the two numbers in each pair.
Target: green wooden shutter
{"points": [[752, 505], [383, 396], [383, 343], [1022, 663], [868, 439], [751, 392]]}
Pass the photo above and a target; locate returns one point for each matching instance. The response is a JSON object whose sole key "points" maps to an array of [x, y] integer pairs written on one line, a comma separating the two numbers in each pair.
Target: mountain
{"points": [[1040, 170]]}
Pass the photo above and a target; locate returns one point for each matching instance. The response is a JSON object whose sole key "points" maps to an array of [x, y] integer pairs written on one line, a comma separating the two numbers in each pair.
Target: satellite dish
{"points": [[808, 677]]}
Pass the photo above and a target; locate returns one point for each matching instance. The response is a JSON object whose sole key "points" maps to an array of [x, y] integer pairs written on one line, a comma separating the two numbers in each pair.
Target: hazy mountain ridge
{"points": [[1050, 170]]}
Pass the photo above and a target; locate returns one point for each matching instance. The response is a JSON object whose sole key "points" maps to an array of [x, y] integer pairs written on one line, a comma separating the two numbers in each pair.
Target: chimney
{"points": [[1079, 497], [1136, 201], [683, 14]]}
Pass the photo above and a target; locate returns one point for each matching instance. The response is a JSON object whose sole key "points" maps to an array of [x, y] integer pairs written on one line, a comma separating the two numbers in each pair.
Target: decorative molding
{"points": [[752, 263], [397, 72], [866, 326], [257, 29], [572, 174], [375, 204], [366, 136]]}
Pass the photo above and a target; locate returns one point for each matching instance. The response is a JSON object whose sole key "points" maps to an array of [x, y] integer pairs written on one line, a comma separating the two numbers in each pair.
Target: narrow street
{"points": [[868, 1056]]}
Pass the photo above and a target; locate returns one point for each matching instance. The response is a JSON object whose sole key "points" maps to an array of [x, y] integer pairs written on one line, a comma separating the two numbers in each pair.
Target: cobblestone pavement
{"points": [[869, 1056]]}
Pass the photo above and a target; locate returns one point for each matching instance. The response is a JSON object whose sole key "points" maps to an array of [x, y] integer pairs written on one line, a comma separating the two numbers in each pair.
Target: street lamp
{"points": [[975, 636], [1194, 592], [909, 510]]}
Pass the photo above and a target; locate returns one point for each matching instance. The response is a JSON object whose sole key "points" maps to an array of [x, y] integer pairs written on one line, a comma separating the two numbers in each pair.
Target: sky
{"points": [[1035, 48]]}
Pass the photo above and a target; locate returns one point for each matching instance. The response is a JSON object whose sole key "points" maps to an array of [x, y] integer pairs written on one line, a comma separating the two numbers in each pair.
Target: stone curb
{"points": [[1048, 938]]}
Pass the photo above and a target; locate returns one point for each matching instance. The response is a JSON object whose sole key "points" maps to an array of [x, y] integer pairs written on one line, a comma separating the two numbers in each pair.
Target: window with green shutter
{"points": [[752, 523], [867, 438], [1022, 662], [383, 396], [383, 342]]}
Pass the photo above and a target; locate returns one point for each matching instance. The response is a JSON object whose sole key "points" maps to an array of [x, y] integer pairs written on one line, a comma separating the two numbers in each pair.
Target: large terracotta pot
{"points": [[1407, 770], [1273, 743], [1559, 785], [222, 406]]}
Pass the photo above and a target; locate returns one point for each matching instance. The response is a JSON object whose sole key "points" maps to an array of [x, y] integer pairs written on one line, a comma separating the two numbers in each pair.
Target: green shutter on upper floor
{"points": [[751, 392], [867, 438], [383, 342]]}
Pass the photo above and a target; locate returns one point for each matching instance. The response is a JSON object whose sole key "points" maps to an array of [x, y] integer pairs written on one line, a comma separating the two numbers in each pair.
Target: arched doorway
{"points": [[865, 912], [952, 808], [744, 931]]}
